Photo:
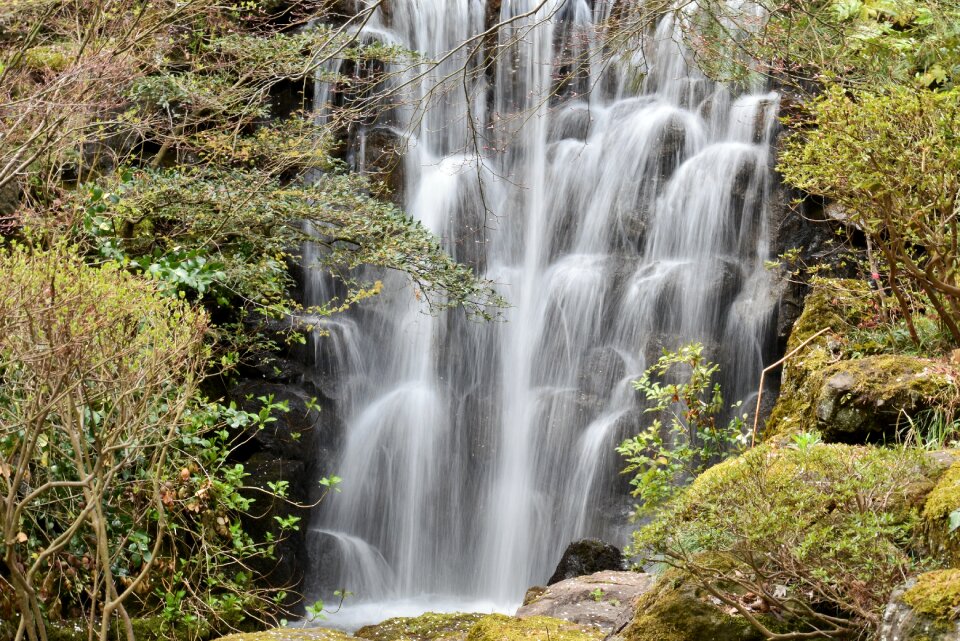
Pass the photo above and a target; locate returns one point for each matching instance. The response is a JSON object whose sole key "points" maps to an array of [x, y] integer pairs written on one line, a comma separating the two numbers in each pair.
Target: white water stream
{"points": [[625, 214]]}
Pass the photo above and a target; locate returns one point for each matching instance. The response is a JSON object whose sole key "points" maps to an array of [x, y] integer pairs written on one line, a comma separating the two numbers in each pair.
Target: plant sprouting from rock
{"points": [[664, 457]]}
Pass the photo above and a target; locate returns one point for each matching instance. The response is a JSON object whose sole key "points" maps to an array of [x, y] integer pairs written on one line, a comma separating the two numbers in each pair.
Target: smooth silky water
{"points": [[627, 213]]}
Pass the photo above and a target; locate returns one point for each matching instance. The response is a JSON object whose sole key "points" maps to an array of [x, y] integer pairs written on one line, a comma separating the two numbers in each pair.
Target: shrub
{"points": [[814, 535], [116, 486], [664, 458], [892, 160]]}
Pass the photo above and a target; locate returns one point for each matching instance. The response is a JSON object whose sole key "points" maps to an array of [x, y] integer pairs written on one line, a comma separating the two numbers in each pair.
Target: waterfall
{"points": [[619, 213]]}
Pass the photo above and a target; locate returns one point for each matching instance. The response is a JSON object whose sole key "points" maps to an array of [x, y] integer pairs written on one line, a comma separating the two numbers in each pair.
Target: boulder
{"points": [[587, 556], [498, 627], [673, 610], [430, 626], [866, 399], [291, 634], [601, 599], [925, 609], [850, 391]]}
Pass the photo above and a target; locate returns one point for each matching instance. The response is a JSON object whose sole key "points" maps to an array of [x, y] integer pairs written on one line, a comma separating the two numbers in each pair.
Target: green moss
{"points": [[945, 497], [426, 627], [498, 627], [832, 303], [936, 594], [829, 386], [291, 634], [47, 58], [672, 611], [871, 397], [942, 501]]}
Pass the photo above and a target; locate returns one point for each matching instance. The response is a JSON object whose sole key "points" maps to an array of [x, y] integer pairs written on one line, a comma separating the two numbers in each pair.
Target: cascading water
{"points": [[629, 213]]}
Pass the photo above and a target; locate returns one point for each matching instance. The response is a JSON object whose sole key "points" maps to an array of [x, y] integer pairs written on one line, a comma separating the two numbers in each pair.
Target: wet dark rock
{"points": [[384, 161], [604, 366], [571, 121], [291, 559], [587, 556]]}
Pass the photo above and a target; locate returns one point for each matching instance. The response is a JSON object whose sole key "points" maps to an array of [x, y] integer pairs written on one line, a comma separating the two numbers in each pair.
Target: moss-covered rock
{"points": [[426, 627], [926, 609], [498, 627], [943, 501], [834, 304], [831, 386], [675, 611], [936, 594], [48, 58], [868, 399], [291, 634]]}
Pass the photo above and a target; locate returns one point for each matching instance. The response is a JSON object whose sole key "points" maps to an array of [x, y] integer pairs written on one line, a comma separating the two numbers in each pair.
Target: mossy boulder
{"points": [[833, 304], [868, 399], [852, 392], [675, 611], [926, 609], [942, 502], [54, 58], [426, 627], [499, 627], [291, 634]]}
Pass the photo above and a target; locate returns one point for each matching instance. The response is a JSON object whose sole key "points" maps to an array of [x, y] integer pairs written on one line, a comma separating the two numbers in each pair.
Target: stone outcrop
{"points": [[603, 599]]}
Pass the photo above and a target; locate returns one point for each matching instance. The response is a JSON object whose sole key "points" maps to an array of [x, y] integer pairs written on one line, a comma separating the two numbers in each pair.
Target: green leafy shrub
{"points": [[892, 160], [818, 535], [664, 458], [117, 492]]}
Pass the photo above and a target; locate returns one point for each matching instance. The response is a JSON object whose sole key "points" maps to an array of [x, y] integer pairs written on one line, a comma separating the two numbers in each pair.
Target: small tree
{"points": [[892, 160]]}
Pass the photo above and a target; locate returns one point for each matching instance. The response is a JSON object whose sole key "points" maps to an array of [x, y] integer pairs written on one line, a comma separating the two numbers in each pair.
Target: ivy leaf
{"points": [[954, 520]]}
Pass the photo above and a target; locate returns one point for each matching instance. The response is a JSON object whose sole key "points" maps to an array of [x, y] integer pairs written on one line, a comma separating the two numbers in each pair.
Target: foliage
{"points": [[665, 458], [116, 477], [229, 235], [97, 372], [818, 534], [892, 160], [803, 43]]}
